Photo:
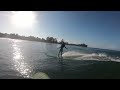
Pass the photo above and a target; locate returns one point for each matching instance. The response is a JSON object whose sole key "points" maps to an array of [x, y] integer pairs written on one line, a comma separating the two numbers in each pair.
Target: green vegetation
{"points": [[32, 38]]}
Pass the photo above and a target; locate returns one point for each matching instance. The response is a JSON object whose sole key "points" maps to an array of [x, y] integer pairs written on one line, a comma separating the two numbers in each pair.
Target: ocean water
{"points": [[20, 59]]}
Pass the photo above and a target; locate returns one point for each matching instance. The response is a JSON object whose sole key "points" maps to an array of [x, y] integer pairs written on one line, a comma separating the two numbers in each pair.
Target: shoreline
{"points": [[42, 41], [59, 43]]}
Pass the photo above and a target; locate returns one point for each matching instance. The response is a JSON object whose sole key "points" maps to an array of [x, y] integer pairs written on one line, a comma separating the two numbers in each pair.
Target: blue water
{"points": [[20, 59]]}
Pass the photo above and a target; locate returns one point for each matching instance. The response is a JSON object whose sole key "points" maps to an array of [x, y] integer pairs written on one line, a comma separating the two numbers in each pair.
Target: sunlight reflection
{"points": [[19, 63]]}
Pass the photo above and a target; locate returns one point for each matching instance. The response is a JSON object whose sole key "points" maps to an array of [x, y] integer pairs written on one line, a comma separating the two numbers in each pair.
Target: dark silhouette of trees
{"points": [[2, 34], [32, 38], [43, 40], [83, 45], [51, 40]]}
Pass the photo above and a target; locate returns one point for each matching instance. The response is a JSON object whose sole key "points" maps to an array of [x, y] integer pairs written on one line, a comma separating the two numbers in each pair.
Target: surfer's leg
{"points": [[61, 56], [59, 53]]}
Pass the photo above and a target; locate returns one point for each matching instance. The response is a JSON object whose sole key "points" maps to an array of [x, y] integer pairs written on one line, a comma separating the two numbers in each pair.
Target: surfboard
{"points": [[40, 75]]}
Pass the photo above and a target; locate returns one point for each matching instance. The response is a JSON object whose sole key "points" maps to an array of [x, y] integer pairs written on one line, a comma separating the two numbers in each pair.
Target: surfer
{"points": [[61, 48]]}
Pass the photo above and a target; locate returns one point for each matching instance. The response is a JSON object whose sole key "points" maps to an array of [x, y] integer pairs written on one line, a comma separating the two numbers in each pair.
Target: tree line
{"points": [[32, 38]]}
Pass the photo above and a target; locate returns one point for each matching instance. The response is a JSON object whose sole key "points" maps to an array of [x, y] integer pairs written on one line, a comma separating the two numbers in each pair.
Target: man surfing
{"points": [[61, 48]]}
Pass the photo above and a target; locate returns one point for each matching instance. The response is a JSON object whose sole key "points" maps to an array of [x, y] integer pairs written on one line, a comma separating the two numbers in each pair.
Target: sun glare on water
{"points": [[23, 19]]}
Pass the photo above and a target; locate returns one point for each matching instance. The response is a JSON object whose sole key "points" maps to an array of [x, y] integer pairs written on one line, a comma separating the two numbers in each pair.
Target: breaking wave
{"points": [[89, 56]]}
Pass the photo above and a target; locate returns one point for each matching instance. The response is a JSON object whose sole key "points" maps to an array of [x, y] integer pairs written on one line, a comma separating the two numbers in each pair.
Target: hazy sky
{"points": [[100, 29]]}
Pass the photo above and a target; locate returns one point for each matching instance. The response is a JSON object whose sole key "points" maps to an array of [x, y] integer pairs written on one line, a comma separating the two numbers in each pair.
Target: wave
{"points": [[89, 56]]}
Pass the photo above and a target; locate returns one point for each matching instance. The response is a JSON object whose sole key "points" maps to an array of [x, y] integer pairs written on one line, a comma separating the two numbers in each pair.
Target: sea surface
{"points": [[21, 59]]}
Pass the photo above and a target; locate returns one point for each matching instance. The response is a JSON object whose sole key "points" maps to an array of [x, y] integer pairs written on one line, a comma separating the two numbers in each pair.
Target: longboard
{"points": [[40, 75]]}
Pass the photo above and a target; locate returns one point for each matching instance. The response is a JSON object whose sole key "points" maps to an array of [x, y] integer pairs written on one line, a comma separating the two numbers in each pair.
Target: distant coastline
{"points": [[32, 38]]}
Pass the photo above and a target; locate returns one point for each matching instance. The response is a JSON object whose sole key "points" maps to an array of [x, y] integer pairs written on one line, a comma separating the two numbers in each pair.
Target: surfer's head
{"points": [[62, 41]]}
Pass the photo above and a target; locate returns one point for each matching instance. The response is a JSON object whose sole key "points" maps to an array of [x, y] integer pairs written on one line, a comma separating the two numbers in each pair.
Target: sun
{"points": [[23, 19]]}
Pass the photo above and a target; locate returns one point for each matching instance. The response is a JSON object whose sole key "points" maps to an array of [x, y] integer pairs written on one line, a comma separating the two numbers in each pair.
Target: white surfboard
{"points": [[40, 75]]}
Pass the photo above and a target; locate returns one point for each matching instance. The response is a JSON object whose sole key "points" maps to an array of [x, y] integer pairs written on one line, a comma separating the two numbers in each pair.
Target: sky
{"points": [[98, 29]]}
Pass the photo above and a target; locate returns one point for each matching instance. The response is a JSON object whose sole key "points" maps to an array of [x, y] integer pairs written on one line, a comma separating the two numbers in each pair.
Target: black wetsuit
{"points": [[61, 48]]}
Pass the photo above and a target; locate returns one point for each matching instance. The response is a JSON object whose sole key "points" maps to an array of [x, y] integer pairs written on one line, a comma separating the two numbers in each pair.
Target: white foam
{"points": [[72, 54], [93, 56]]}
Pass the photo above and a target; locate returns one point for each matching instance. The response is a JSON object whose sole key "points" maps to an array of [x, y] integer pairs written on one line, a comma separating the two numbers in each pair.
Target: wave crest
{"points": [[92, 56]]}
